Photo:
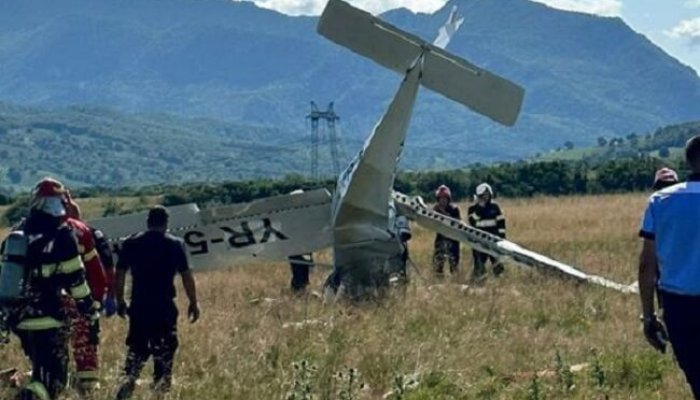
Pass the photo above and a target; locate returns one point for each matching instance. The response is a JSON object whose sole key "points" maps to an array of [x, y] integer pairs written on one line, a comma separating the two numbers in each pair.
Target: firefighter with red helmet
{"points": [[84, 333], [445, 249], [51, 266]]}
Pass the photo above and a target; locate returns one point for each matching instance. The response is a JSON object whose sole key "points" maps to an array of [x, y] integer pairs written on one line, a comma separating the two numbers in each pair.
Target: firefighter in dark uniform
{"points": [[154, 257], [445, 249], [52, 266], [486, 215]]}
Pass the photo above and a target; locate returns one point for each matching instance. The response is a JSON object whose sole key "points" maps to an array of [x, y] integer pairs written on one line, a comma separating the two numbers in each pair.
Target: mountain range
{"points": [[585, 77]]}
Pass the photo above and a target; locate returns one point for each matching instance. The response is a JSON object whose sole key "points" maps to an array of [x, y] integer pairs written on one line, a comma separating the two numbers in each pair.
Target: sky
{"points": [[674, 25]]}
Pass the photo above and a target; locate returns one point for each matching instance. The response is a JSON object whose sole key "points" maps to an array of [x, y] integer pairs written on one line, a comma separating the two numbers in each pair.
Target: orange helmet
{"points": [[48, 196]]}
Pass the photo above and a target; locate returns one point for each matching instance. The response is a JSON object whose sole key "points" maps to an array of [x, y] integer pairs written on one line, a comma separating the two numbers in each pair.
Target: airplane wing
{"points": [[413, 208], [452, 76], [272, 228]]}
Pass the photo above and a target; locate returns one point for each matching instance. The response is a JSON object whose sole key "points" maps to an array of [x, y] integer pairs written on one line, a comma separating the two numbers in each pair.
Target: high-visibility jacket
{"points": [[54, 267], [488, 218], [96, 275]]}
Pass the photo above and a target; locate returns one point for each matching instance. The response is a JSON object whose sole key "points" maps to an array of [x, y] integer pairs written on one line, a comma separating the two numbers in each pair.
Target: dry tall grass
{"points": [[482, 343]]}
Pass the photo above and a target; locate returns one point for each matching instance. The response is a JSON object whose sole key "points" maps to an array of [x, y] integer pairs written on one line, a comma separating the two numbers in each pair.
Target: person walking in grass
{"points": [[154, 257], [671, 234]]}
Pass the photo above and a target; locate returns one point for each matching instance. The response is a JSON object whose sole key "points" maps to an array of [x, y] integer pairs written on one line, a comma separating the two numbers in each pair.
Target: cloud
{"points": [[688, 29], [315, 7], [608, 8]]}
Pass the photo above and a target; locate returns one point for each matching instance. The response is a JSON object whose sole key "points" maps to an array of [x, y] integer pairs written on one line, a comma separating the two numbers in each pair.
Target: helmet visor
{"points": [[52, 205]]}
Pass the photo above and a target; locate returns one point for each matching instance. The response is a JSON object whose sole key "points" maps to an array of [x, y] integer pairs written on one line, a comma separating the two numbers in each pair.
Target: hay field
{"points": [[512, 338]]}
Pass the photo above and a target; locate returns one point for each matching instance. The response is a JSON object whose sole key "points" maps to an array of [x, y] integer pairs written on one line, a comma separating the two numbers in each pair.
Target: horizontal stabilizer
{"points": [[445, 73], [413, 208]]}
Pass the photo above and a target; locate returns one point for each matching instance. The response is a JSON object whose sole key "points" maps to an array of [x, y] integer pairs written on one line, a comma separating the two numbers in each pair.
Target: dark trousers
{"points": [[682, 318], [300, 273], [47, 350], [445, 250], [480, 260], [151, 333]]}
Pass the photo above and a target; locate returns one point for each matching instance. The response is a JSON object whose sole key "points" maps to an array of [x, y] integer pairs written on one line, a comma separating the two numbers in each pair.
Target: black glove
{"points": [[655, 332], [122, 309]]}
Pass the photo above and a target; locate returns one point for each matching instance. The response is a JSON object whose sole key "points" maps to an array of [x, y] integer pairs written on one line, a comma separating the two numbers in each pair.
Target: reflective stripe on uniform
{"points": [[80, 291], [487, 223], [501, 218], [87, 375], [89, 255], [48, 270], [38, 389], [474, 216], [81, 249], [72, 265], [501, 231], [38, 324]]}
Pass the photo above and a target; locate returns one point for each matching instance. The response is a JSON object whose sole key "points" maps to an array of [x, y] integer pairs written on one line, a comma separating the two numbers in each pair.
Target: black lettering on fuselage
{"points": [[269, 229], [198, 241], [240, 239]]}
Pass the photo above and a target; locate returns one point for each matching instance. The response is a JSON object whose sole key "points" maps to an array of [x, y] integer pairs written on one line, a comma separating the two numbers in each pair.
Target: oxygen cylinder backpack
{"points": [[13, 270]]}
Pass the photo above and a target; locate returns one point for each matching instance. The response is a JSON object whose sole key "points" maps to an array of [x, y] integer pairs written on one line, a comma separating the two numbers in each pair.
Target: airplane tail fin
{"points": [[445, 73]]}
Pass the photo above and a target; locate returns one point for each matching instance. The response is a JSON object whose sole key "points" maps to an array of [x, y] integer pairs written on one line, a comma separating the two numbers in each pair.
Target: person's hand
{"points": [[655, 333], [110, 306], [122, 309], [193, 312]]}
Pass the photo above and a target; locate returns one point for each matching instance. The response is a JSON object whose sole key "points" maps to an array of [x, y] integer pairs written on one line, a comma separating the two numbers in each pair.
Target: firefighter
{"points": [[445, 249], [52, 265], [486, 216], [154, 257], [85, 334]]}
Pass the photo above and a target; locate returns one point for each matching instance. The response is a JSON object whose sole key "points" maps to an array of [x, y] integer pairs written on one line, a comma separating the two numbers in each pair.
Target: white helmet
{"points": [[483, 188]]}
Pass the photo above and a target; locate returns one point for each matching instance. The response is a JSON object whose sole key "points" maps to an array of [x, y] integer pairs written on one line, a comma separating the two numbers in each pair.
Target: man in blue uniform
{"points": [[671, 233]]}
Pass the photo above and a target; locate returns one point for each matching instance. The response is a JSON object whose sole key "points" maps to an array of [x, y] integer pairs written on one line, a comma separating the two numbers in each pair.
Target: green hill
{"points": [[663, 143], [98, 147]]}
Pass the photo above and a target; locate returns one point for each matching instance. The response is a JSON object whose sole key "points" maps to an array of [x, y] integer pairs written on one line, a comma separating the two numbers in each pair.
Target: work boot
{"points": [[126, 390], [498, 269]]}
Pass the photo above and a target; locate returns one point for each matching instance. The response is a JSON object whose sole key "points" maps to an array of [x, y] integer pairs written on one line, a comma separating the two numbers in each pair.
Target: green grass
{"points": [[513, 338]]}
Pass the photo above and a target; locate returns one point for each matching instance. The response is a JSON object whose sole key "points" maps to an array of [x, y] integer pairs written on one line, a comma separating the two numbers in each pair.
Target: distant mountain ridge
{"points": [[585, 76]]}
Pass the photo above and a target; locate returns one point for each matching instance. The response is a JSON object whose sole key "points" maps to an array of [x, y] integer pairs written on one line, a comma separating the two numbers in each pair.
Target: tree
{"points": [[664, 152], [568, 145], [602, 142]]}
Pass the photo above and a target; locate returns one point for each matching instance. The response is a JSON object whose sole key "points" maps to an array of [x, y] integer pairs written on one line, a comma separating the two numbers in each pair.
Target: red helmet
{"points": [[443, 191], [48, 196]]}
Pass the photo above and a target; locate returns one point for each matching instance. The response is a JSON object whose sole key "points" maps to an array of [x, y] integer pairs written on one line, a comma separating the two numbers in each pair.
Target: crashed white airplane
{"points": [[359, 220]]}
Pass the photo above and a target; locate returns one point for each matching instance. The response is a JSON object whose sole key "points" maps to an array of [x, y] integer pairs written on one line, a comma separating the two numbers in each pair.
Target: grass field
{"points": [[512, 338]]}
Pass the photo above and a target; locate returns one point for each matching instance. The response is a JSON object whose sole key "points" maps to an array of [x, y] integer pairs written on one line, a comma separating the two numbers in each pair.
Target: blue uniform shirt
{"points": [[672, 220]]}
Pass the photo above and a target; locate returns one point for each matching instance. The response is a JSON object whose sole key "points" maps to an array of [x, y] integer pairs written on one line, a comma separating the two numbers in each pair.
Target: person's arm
{"points": [[183, 267], [654, 330], [191, 291], [471, 214], [647, 277], [500, 222], [120, 280]]}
